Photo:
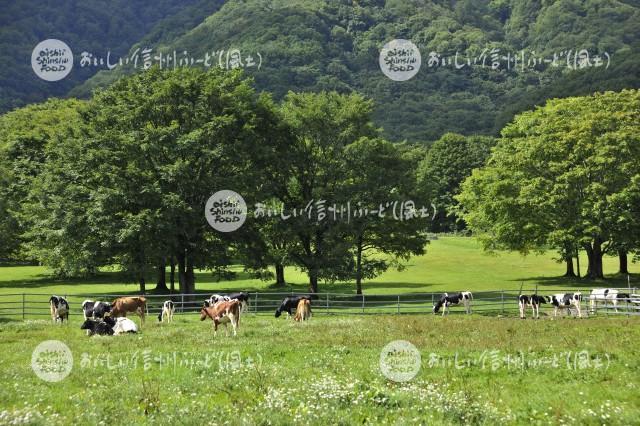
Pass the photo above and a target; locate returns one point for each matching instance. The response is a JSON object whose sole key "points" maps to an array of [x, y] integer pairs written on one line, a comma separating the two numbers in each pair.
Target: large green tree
{"points": [[322, 125], [157, 146], [565, 175], [448, 162], [390, 222], [26, 137]]}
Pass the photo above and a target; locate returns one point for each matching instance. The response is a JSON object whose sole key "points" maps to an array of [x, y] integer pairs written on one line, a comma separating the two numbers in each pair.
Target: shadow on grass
{"points": [[615, 281], [348, 287]]}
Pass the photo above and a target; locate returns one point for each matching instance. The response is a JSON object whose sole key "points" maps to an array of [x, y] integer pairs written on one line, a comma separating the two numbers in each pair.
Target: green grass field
{"points": [[451, 263], [474, 369]]}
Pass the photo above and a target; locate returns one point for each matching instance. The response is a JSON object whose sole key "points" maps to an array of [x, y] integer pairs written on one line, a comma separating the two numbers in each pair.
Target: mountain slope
{"points": [[310, 45], [87, 25]]}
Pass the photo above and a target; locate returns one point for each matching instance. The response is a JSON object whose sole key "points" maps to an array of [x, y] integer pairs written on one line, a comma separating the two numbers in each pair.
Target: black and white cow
{"points": [[241, 296], [59, 308], [608, 296], [91, 309], [566, 300], [290, 303], [99, 327], [446, 300], [533, 301], [168, 308]]}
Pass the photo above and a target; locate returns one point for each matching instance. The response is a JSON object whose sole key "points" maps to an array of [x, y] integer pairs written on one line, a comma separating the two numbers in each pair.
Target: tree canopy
{"points": [[566, 175]]}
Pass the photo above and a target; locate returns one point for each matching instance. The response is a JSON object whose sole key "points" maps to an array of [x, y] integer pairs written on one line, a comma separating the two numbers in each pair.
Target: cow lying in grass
{"points": [[447, 300], [222, 313], [303, 311], [109, 326], [99, 327], [168, 308], [91, 309], [533, 301], [608, 296], [59, 308], [241, 296], [566, 300], [121, 306], [289, 303]]}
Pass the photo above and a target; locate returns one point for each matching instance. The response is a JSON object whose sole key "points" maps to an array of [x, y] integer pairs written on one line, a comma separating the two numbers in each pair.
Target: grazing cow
{"points": [[242, 296], [215, 298], [566, 300], [289, 303], [533, 301], [223, 312], [99, 327], [100, 309], [464, 297], [121, 306], [303, 312], [606, 295], [59, 308], [168, 308], [91, 309]]}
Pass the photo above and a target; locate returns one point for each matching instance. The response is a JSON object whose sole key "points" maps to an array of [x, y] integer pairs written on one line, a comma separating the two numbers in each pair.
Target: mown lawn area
{"points": [[451, 263]]}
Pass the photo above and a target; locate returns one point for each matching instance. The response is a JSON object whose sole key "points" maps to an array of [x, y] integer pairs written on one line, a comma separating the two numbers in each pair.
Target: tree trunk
{"points": [[182, 282], [143, 287], [172, 275], [624, 267], [280, 274], [313, 280], [161, 286], [569, 262], [359, 265], [594, 254], [190, 276]]}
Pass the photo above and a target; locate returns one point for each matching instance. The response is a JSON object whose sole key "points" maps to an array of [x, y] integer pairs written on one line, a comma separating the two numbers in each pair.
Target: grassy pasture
{"points": [[327, 371], [474, 369]]}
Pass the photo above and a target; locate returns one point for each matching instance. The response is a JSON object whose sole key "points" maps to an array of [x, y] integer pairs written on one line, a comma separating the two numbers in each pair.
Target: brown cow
{"points": [[222, 313], [303, 312], [122, 305]]}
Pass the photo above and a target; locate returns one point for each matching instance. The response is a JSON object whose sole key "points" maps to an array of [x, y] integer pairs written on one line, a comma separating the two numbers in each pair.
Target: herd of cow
{"points": [[609, 296], [105, 318]]}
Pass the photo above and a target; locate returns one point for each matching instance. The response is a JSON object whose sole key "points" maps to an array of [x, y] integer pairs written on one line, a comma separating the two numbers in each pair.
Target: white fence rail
{"points": [[497, 302]]}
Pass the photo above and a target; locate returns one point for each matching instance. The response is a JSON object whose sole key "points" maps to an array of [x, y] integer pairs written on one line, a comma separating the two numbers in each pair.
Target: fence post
{"points": [[502, 297], [398, 303], [23, 306], [628, 294], [327, 303], [182, 303], [256, 303], [362, 302]]}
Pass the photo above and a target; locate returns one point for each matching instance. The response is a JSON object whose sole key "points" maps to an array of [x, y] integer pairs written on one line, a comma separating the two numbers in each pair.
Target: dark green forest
{"points": [[334, 45]]}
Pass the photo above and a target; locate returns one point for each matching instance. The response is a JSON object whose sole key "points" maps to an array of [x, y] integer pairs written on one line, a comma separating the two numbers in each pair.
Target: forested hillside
{"points": [[90, 25], [334, 45]]}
